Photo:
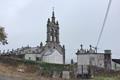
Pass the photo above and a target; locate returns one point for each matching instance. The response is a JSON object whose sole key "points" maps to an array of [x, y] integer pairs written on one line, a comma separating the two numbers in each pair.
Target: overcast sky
{"points": [[80, 22]]}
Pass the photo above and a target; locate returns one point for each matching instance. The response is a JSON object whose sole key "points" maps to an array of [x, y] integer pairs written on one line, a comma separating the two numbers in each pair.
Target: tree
{"points": [[3, 36]]}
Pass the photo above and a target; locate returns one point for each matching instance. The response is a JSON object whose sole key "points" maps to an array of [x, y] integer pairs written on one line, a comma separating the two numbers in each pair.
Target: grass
{"points": [[107, 78]]}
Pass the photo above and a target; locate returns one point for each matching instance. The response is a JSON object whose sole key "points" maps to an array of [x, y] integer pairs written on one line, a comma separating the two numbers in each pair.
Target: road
{"points": [[8, 78]]}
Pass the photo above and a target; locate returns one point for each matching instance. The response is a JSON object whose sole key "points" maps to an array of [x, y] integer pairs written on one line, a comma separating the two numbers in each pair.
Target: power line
{"points": [[104, 22]]}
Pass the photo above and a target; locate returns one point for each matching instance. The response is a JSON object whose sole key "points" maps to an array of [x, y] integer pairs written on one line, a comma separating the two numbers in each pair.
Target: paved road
{"points": [[8, 78]]}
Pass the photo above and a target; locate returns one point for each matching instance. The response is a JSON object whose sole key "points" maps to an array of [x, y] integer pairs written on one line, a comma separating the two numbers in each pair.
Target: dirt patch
{"points": [[9, 72]]}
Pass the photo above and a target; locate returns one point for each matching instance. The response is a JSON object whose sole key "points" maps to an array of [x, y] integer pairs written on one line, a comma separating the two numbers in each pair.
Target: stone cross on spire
{"points": [[53, 16], [81, 46]]}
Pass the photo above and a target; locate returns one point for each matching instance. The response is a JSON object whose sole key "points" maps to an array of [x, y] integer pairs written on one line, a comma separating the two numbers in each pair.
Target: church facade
{"points": [[52, 51]]}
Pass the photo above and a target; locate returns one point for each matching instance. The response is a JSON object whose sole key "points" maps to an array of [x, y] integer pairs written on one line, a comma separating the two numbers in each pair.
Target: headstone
{"points": [[66, 75], [56, 74]]}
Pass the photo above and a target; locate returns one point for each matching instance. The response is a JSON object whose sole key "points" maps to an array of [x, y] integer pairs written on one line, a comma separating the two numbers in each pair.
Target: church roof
{"points": [[32, 50]]}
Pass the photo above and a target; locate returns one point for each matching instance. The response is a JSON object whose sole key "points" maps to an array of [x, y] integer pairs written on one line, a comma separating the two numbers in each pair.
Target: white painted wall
{"points": [[100, 60], [91, 59], [30, 57], [83, 59], [53, 56]]}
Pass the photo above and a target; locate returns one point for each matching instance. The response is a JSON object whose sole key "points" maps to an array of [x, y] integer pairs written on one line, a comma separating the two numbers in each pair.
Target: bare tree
{"points": [[3, 36]]}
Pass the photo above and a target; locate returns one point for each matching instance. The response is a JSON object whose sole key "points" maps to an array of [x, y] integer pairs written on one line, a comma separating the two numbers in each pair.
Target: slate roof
{"points": [[116, 60]]}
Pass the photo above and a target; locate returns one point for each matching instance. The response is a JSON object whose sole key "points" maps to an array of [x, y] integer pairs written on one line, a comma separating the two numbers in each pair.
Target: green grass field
{"points": [[107, 78]]}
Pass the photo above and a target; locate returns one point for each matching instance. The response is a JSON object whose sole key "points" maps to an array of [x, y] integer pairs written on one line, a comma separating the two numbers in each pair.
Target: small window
{"points": [[29, 58], [37, 58]]}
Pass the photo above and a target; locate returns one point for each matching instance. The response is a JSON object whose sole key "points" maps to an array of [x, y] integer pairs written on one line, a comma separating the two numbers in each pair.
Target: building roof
{"points": [[32, 50], [116, 60], [90, 53]]}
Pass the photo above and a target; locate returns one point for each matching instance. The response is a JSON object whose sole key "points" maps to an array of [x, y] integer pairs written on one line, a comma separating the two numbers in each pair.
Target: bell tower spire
{"points": [[53, 16], [52, 29]]}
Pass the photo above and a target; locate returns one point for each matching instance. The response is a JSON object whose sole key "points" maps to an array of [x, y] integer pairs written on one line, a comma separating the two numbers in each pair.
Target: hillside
{"points": [[19, 70], [14, 69]]}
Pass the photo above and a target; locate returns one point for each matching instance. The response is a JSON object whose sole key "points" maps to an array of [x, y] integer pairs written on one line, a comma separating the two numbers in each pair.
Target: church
{"points": [[52, 51]]}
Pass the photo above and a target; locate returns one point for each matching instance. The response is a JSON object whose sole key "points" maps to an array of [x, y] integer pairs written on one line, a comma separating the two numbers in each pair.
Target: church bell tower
{"points": [[52, 30], [53, 52]]}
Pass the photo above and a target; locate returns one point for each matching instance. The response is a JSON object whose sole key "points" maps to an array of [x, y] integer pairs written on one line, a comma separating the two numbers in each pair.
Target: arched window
{"points": [[52, 30], [55, 31], [55, 38]]}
